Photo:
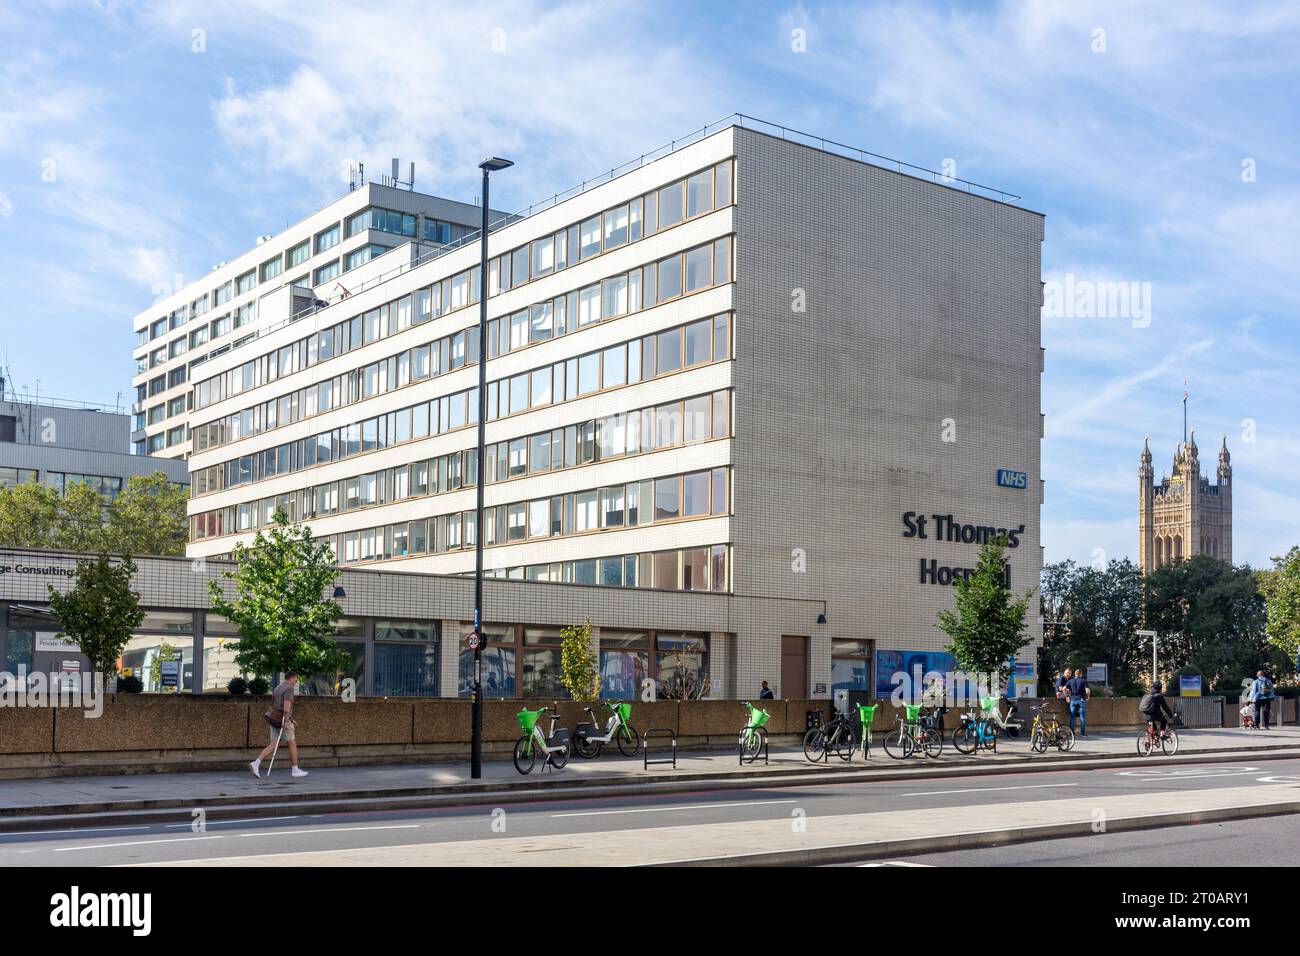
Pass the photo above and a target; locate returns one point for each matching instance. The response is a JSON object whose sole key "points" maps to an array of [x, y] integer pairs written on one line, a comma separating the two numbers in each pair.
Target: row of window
{"points": [[695, 419], [698, 343], [108, 486], [601, 301], [687, 198], [690, 569], [679, 274], [700, 494], [16, 476]]}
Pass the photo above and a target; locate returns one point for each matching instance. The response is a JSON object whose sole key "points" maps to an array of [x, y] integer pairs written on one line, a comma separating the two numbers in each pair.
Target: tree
{"points": [[1281, 587], [80, 524], [1091, 614], [1211, 616], [28, 514], [100, 611], [284, 620], [579, 672], [148, 516], [987, 629]]}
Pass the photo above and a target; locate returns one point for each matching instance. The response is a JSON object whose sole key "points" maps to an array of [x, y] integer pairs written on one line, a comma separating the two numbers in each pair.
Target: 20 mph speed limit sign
{"points": [[473, 641]]}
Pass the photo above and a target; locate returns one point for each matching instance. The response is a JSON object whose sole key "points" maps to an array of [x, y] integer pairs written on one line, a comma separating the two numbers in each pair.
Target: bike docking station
{"points": [[658, 732]]}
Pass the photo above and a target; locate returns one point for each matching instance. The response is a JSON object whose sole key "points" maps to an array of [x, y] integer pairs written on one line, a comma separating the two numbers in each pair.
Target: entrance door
{"points": [[794, 667]]}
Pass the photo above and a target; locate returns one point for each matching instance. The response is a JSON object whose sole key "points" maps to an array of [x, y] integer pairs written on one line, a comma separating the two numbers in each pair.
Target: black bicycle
{"points": [[835, 736]]}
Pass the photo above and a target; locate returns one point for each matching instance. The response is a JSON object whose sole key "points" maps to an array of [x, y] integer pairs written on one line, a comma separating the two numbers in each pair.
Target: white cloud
{"points": [[6, 206]]}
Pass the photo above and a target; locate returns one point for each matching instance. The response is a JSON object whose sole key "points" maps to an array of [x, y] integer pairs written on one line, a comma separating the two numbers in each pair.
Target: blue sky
{"points": [[1159, 139]]}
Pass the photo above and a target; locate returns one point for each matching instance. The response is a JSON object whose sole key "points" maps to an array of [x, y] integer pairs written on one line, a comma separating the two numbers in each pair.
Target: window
{"points": [[613, 296], [695, 494], [670, 205], [624, 663], [362, 255], [271, 268], [670, 278], [668, 349], [326, 272], [699, 268], [298, 254], [327, 238], [543, 256], [616, 227], [589, 238], [699, 193], [667, 499], [246, 282], [850, 668]]}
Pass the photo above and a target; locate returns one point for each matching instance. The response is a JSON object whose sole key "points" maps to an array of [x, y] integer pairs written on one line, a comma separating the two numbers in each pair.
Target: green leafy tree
{"points": [[148, 517], [1211, 616], [988, 626], [1090, 616], [99, 611], [80, 524], [285, 621], [579, 672], [28, 514], [1281, 587]]}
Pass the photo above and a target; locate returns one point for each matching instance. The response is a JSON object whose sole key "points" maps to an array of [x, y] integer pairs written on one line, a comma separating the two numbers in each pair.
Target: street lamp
{"points": [[490, 165], [1151, 636]]}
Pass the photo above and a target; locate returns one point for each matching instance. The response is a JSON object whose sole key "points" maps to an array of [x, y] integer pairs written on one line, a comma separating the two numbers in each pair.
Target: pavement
{"points": [[137, 799]]}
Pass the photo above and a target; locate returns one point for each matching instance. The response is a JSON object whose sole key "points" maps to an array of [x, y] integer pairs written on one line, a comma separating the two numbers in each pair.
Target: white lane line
{"points": [[696, 806], [402, 826], [928, 866], [1035, 786], [75, 830], [233, 822], [113, 846]]}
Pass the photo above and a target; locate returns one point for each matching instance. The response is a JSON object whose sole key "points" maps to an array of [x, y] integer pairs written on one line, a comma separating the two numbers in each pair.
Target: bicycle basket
{"points": [[528, 719], [759, 717], [988, 704], [624, 712], [867, 713], [913, 712]]}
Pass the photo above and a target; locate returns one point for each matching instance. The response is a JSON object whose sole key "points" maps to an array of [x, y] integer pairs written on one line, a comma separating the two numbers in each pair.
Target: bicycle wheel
{"points": [[932, 743], [1144, 744], [751, 743], [814, 744], [1038, 742], [1170, 743], [965, 740], [559, 758], [899, 745], [1064, 739], [844, 745], [525, 755], [585, 748], [629, 744]]}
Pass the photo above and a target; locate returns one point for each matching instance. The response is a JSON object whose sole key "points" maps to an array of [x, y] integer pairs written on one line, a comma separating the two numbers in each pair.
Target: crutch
{"points": [[277, 746]]}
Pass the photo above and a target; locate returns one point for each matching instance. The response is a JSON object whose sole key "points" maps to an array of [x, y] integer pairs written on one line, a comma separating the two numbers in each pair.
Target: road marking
{"points": [[402, 826], [76, 830], [233, 822], [697, 806], [113, 846], [1034, 786], [1192, 774], [899, 863]]}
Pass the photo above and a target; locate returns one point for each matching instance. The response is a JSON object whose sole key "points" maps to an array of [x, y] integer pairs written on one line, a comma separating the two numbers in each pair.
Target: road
{"points": [[578, 824], [1230, 843]]}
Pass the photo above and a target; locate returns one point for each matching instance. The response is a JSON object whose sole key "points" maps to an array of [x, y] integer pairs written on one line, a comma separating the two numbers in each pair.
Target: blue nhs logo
{"points": [[1012, 479]]}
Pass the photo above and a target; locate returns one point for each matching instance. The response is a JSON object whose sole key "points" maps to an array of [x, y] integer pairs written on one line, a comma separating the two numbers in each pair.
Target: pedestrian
{"points": [[280, 724], [1263, 692], [1077, 693], [1249, 719], [1061, 680], [766, 693]]}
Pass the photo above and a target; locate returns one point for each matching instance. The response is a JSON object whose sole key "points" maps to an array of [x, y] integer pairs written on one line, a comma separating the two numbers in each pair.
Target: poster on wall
{"points": [[1025, 677], [51, 641], [914, 664], [1189, 685]]}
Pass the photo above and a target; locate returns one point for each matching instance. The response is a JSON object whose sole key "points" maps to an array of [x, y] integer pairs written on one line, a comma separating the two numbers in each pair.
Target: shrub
{"points": [[129, 685], [259, 685], [237, 686]]}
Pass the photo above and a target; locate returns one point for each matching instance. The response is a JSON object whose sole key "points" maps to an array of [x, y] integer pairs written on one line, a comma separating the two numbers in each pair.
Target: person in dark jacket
{"points": [[1156, 709], [766, 693]]}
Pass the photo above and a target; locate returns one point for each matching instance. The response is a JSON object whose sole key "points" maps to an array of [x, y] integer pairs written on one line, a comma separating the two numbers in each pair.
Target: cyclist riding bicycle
{"points": [[1155, 708]]}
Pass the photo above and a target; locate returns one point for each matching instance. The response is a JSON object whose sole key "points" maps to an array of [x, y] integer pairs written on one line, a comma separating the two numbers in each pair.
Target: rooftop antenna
{"points": [[412, 177]]}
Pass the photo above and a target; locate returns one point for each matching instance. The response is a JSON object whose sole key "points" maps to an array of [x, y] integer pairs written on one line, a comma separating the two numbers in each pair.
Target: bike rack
{"points": [[645, 741], [740, 753]]}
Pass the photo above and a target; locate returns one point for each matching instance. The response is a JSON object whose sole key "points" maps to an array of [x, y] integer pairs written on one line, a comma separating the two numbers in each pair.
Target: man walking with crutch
{"points": [[280, 725]]}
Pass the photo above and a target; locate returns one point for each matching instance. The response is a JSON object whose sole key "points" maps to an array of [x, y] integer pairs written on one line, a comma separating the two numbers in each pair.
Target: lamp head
{"points": [[494, 164]]}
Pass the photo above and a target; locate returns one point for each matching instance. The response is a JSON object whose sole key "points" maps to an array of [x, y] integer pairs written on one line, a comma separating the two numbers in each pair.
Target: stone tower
{"points": [[1184, 515]]}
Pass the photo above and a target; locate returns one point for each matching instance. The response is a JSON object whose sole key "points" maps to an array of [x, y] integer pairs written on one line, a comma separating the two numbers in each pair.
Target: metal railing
{"points": [[734, 119]]}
